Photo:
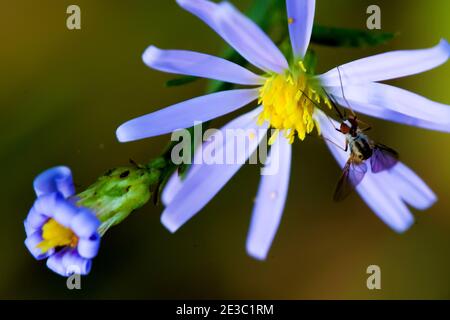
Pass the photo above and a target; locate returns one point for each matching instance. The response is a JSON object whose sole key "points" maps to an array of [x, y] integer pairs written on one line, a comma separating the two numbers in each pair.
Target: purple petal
{"points": [[73, 263], [199, 65], [35, 219], [47, 205], [88, 248], [65, 212], [390, 65], [204, 181], [58, 179], [270, 200], [29, 230], [301, 20], [378, 190], [31, 242], [185, 114], [248, 39], [55, 263], [394, 104], [85, 223]]}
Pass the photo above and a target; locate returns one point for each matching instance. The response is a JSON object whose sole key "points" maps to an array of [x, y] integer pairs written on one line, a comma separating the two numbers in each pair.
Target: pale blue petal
{"points": [[248, 39], [385, 202], [29, 230], [175, 183], [171, 189], [199, 65], [270, 200], [240, 32], [301, 20], [394, 104], [203, 9], [412, 188], [204, 181], [388, 65], [58, 179], [185, 114]]}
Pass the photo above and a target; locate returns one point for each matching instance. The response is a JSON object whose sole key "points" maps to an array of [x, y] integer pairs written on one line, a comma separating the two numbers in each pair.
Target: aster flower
{"points": [[65, 228], [57, 229], [286, 93]]}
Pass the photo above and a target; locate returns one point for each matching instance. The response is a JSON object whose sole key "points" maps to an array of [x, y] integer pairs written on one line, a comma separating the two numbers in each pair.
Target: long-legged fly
{"points": [[362, 149]]}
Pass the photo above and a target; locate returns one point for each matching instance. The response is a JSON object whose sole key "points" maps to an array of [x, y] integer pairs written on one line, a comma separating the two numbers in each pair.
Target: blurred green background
{"points": [[63, 93]]}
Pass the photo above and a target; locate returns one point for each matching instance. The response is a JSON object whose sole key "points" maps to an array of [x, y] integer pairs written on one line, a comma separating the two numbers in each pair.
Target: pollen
{"points": [[55, 235], [288, 102]]}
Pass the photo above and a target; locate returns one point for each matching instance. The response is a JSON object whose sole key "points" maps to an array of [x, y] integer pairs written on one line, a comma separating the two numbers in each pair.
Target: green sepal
{"points": [[118, 193]]}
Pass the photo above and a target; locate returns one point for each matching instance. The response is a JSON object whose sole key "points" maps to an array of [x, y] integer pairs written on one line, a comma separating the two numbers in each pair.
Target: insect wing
{"points": [[383, 158], [351, 176]]}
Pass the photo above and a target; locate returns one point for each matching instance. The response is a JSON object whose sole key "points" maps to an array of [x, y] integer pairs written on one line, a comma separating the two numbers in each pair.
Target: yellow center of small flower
{"points": [[55, 235], [288, 102]]}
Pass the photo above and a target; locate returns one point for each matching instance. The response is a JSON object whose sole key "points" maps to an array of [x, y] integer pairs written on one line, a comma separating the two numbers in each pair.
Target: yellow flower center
{"points": [[288, 102], [55, 235]]}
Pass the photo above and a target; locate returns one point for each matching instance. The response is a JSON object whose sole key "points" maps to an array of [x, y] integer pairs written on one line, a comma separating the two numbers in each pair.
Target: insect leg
{"points": [[368, 126], [337, 145]]}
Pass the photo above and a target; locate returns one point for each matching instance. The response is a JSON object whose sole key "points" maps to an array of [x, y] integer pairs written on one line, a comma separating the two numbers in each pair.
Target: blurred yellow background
{"points": [[63, 93]]}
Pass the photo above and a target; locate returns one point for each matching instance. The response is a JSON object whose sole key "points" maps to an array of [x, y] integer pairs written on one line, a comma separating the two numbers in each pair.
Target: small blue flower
{"points": [[57, 229], [279, 91]]}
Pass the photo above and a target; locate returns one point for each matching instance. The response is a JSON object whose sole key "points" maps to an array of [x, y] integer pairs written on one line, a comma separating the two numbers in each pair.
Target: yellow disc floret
{"points": [[55, 235], [288, 102]]}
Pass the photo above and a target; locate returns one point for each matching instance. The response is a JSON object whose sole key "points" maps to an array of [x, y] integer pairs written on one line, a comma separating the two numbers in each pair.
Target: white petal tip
{"points": [[257, 253], [151, 55], [169, 223], [444, 43], [405, 226], [121, 135], [431, 201]]}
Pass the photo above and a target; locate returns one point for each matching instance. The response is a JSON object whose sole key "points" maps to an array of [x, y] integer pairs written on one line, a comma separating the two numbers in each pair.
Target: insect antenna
{"points": [[343, 93], [342, 116], [331, 122]]}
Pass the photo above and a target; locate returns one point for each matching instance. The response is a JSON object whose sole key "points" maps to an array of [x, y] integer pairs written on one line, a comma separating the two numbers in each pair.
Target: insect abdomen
{"points": [[361, 148]]}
